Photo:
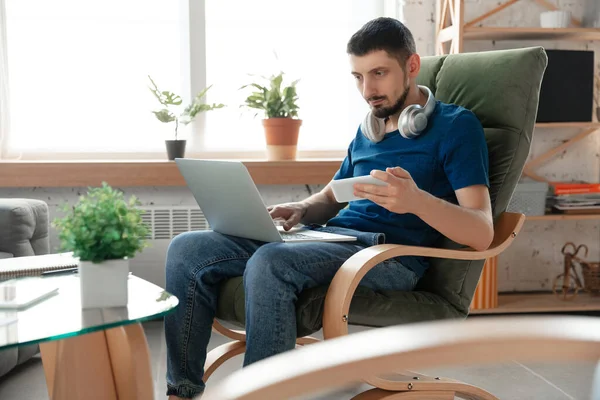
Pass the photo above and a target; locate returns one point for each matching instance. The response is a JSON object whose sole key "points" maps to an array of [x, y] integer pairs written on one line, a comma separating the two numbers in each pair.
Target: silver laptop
{"points": [[232, 204]]}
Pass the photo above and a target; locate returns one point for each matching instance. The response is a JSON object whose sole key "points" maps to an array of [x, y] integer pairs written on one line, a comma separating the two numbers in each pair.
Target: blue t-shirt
{"points": [[449, 155]]}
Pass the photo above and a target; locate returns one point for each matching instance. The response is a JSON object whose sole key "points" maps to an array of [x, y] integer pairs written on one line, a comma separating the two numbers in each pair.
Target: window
{"points": [[304, 39], [77, 73], [78, 86]]}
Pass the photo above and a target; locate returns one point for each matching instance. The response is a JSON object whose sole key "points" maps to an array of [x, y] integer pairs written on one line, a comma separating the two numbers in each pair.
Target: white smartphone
{"points": [[343, 189]]}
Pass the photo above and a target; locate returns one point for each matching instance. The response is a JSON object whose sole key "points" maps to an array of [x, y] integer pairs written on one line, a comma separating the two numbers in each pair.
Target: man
{"points": [[437, 184]]}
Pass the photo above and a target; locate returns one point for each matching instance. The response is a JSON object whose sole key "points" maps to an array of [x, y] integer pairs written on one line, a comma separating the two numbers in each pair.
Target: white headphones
{"points": [[411, 122]]}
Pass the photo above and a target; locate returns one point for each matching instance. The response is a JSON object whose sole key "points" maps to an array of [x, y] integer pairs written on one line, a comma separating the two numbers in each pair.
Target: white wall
{"points": [[534, 259]]}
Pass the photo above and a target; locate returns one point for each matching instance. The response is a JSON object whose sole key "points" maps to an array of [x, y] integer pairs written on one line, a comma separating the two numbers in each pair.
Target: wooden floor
{"points": [[541, 303]]}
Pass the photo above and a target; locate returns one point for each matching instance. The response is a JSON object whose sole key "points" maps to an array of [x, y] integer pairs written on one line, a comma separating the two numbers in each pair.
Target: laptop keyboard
{"points": [[288, 235]]}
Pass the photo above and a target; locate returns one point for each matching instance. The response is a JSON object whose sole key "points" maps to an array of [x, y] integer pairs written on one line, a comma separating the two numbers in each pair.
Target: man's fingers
{"points": [[399, 172], [276, 212], [371, 189], [381, 175], [377, 199], [292, 221]]}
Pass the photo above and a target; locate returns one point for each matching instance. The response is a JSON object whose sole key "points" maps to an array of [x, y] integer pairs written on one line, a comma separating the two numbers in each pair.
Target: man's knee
{"points": [[269, 262], [185, 247], [190, 242]]}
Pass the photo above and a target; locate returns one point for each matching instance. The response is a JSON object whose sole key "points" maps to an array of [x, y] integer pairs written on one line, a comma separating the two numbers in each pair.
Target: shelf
{"points": [[541, 303], [153, 172], [493, 33], [556, 217], [559, 125]]}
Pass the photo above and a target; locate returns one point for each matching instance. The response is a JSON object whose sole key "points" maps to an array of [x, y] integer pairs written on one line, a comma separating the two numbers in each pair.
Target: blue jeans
{"points": [[274, 274]]}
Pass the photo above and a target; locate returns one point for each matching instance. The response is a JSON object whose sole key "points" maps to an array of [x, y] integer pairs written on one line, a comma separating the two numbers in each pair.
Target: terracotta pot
{"points": [[282, 137]]}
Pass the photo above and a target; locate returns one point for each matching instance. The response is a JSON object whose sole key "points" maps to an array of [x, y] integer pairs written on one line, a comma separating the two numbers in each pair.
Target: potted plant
{"points": [[103, 231], [172, 113], [280, 111]]}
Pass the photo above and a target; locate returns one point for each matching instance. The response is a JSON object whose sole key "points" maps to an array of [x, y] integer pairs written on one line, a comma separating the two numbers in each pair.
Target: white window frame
{"points": [[194, 79]]}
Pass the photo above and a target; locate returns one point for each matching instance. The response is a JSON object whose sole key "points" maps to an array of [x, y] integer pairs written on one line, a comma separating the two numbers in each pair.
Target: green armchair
{"points": [[502, 89]]}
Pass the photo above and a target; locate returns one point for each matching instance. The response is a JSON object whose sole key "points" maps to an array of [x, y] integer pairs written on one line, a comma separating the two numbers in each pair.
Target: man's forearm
{"points": [[470, 227], [320, 207]]}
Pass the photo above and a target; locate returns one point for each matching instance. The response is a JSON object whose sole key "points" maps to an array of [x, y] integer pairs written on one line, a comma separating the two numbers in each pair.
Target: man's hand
{"points": [[401, 194], [292, 213]]}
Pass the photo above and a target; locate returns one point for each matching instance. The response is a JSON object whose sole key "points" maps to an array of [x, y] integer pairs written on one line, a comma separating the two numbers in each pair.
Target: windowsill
{"points": [[153, 172]]}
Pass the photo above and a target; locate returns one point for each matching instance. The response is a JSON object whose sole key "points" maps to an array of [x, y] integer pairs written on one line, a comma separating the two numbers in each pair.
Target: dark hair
{"points": [[383, 33]]}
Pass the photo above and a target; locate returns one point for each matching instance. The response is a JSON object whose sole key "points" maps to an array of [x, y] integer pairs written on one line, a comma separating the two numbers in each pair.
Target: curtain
{"points": [[4, 123]]}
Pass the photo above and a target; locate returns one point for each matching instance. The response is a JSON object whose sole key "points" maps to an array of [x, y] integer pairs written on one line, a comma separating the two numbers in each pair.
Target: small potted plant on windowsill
{"points": [[172, 113], [104, 231], [281, 125]]}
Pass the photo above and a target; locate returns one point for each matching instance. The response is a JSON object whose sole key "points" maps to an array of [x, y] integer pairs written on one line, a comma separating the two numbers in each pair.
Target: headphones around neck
{"points": [[411, 122]]}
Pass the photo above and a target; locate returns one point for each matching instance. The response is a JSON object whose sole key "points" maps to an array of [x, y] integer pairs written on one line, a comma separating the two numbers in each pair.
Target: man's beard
{"points": [[386, 112]]}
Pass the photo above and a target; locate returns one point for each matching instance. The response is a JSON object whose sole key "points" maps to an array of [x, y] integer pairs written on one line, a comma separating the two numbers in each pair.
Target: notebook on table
{"points": [[35, 265]]}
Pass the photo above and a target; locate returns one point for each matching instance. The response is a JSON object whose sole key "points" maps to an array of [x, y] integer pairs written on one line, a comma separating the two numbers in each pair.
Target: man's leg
{"points": [[278, 272], [196, 263]]}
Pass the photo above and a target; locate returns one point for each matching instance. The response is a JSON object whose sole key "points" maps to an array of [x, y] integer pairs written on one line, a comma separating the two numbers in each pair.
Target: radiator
{"points": [[164, 224]]}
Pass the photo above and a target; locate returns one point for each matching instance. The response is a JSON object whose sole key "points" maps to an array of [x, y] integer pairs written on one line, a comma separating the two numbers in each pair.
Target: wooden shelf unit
{"points": [[540, 303], [452, 29], [451, 32], [572, 34], [586, 129], [564, 125], [563, 217]]}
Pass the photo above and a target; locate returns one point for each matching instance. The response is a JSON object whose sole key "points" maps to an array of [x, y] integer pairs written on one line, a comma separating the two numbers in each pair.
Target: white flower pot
{"points": [[104, 284]]}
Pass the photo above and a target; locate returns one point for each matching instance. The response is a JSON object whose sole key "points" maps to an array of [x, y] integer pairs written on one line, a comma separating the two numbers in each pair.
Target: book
{"points": [[22, 293], [36, 265], [575, 188]]}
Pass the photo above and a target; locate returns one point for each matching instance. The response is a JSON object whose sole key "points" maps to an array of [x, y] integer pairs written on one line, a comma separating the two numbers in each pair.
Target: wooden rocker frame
{"points": [[344, 360], [337, 306]]}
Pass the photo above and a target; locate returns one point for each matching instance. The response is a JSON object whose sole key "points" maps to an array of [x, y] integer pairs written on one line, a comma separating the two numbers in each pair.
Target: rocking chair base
{"points": [[401, 385], [444, 392], [409, 382], [219, 355]]}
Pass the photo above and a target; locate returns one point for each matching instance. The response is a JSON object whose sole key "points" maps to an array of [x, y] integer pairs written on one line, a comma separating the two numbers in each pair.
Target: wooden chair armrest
{"points": [[346, 280], [340, 361]]}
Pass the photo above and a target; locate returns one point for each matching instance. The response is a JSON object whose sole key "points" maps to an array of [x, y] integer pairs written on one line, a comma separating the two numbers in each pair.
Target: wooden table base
{"points": [[107, 365]]}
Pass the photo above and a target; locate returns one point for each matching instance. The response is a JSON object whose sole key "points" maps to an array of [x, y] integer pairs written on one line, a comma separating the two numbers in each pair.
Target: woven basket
{"points": [[591, 277]]}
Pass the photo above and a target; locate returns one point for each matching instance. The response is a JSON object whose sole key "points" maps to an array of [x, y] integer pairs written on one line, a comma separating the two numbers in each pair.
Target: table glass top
{"points": [[60, 315]]}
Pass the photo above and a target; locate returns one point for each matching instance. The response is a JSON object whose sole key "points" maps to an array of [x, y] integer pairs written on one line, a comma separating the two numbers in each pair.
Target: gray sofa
{"points": [[24, 227]]}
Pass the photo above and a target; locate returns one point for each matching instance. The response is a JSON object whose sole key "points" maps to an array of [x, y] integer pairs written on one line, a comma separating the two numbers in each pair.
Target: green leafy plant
{"points": [[102, 226], [172, 106], [272, 99]]}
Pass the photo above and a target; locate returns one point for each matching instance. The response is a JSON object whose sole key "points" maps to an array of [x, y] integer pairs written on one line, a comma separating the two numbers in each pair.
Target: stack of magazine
{"points": [[576, 198]]}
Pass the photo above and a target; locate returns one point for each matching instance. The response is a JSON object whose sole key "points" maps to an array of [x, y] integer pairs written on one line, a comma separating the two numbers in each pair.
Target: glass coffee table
{"points": [[92, 353]]}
